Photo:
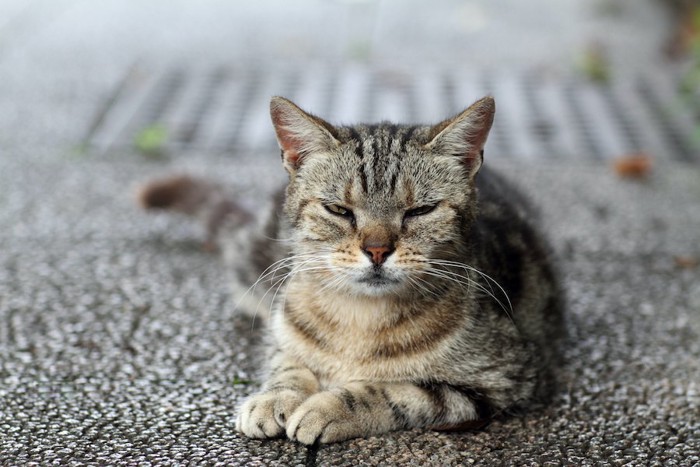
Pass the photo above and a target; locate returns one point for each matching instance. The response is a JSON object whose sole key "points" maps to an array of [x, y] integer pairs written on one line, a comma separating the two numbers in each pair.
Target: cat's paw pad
{"points": [[322, 418], [265, 415]]}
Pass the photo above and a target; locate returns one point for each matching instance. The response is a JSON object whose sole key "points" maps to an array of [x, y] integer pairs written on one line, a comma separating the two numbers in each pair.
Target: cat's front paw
{"points": [[323, 418], [265, 415]]}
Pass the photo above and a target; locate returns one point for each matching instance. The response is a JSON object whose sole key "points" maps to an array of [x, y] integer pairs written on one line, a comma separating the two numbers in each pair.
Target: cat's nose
{"points": [[378, 254]]}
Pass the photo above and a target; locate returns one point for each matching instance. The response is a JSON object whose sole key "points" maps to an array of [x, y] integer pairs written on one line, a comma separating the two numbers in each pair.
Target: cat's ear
{"points": [[464, 136], [299, 134]]}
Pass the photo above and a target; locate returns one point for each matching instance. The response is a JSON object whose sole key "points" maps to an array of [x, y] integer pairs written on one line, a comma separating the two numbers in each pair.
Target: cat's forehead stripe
{"points": [[394, 176], [357, 140], [379, 149], [407, 136]]}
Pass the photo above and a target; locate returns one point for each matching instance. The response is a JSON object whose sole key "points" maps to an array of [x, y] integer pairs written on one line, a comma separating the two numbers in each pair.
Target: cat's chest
{"points": [[357, 345]]}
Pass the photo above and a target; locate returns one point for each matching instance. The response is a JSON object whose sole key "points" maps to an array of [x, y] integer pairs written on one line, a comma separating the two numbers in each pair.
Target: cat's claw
{"points": [[265, 415]]}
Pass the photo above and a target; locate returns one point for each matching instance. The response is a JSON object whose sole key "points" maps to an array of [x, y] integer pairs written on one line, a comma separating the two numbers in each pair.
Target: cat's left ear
{"points": [[299, 134], [464, 136]]}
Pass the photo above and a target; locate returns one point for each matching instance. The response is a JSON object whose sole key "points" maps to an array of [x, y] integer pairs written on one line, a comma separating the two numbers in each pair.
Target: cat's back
{"points": [[511, 247]]}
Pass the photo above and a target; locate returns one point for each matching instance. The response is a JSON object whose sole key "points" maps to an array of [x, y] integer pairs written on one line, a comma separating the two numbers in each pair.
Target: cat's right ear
{"points": [[299, 134]]}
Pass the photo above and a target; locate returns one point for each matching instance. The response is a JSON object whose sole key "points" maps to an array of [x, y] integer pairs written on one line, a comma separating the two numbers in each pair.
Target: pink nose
{"points": [[378, 254]]}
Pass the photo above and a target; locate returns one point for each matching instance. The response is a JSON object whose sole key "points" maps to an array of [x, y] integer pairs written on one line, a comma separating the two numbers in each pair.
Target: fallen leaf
{"points": [[594, 63], [633, 165], [686, 262], [243, 381], [151, 140]]}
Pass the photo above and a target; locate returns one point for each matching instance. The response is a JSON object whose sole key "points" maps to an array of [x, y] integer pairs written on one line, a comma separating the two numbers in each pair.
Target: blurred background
{"points": [[594, 79]]}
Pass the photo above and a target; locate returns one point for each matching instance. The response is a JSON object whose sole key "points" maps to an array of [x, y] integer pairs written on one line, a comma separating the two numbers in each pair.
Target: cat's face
{"points": [[375, 222], [373, 207]]}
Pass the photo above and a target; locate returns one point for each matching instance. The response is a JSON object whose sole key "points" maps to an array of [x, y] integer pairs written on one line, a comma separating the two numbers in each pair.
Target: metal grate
{"points": [[225, 109]]}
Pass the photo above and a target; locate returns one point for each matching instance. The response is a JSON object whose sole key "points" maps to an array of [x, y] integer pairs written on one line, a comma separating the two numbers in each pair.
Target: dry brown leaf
{"points": [[633, 165]]}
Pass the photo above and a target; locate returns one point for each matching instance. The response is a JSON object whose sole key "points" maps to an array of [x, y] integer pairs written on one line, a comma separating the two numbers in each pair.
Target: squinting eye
{"points": [[419, 211], [338, 210]]}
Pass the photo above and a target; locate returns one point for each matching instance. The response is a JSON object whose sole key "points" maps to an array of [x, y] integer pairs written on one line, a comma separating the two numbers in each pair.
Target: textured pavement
{"points": [[119, 342]]}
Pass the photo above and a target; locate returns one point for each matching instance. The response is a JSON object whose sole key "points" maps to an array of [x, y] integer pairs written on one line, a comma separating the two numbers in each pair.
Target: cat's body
{"points": [[405, 300]]}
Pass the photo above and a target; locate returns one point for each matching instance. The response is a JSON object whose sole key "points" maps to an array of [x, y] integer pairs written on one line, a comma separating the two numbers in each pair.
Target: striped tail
{"points": [[202, 199]]}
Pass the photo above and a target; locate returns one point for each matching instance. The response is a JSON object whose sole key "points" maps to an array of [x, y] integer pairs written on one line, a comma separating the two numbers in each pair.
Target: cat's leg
{"points": [[265, 415], [362, 409]]}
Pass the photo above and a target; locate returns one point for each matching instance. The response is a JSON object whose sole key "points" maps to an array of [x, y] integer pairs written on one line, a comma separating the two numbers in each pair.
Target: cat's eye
{"points": [[338, 210], [421, 210]]}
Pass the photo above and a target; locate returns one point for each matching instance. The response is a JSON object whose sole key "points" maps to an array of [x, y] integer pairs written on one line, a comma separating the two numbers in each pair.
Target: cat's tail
{"points": [[207, 201]]}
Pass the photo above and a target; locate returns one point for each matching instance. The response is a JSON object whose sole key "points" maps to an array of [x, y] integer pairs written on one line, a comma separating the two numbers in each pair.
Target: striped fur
{"points": [[450, 321]]}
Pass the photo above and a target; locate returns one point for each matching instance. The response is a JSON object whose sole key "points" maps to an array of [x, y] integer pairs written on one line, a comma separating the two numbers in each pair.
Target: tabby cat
{"points": [[411, 289]]}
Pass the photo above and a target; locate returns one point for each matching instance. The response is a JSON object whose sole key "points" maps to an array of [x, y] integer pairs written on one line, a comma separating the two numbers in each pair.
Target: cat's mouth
{"points": [[377, 278]]}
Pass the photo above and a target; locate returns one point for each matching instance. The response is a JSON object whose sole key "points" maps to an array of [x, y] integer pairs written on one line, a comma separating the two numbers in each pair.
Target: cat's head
{"points": [[374, 207]]}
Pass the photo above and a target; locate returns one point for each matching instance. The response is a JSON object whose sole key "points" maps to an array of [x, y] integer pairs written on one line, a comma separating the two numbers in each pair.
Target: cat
{"points": [[412, 288]]}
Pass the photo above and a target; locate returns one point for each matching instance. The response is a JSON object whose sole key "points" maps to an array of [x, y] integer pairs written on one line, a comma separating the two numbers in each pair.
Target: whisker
{"points": [[450, 276], [423, 286], [269, 273], [336, 281], [481, 273], [277, 285]]}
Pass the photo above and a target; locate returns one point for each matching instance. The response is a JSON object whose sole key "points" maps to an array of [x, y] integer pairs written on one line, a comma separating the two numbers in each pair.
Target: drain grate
{"points": [[225, 108]]}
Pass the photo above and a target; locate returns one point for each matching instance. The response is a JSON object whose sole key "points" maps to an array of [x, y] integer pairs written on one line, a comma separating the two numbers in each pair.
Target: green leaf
{"points": [[151, 140], [237, 380], [594, 64]]}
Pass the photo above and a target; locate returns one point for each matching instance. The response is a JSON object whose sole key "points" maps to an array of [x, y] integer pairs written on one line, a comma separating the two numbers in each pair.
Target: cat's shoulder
{"points": [[501, 196]]}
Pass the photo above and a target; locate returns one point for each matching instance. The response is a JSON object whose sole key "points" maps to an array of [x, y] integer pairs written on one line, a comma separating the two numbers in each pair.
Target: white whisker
{"points": [[467, 281], [481, 273], [270, 272], [423, 286]]}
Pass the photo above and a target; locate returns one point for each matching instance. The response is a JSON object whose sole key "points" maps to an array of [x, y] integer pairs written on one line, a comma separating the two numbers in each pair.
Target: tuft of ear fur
{"points": [[464, 135], [299, 133]]}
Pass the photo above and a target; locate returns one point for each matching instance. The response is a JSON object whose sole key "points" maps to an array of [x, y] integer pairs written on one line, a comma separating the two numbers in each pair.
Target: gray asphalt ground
{"points": [[119, 342]]}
